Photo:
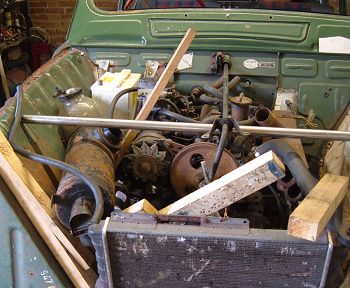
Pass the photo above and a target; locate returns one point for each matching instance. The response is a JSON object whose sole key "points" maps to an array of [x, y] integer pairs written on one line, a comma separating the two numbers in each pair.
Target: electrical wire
{"points": [[95, 189], [279, 205]]}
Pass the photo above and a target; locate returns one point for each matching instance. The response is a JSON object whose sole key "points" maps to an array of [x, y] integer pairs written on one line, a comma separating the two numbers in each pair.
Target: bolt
{"points": [[146, 167]]}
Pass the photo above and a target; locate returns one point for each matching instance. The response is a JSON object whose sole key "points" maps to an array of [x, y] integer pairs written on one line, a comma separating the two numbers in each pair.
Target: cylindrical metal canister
{"points": [[74, 201]]}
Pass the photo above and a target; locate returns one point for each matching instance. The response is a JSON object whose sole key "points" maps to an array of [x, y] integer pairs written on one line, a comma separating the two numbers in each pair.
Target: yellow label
{"points": [[108, 79]]}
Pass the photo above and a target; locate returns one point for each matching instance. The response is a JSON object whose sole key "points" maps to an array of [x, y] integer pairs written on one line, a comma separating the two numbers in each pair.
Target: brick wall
{"points": [[55, 16]]}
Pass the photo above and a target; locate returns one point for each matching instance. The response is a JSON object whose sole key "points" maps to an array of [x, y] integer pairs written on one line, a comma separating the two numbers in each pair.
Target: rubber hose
{"points": [[224, 132], [171, 104], [217, 92], [96, 191], [287, 154], [212, 91], [208, 100], [218, 83], [219, 151], [233, 83], [116, 99], [175, 116]]}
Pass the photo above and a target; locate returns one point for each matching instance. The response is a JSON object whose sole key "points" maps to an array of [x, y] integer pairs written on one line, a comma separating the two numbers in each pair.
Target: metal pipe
{"points": [[265, 117], [188, 127]]}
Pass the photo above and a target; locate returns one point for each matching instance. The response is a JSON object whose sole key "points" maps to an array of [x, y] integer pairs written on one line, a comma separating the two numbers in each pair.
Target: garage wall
{"points": [[55, 16]]}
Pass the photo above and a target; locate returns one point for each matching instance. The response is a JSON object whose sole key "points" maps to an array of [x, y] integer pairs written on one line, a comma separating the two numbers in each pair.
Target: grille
{"points": [[169, 255]]}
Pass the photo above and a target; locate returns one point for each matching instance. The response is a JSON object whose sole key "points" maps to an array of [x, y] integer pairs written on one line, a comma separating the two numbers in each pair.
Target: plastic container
{"points": [[75, 104], [108, 86]]}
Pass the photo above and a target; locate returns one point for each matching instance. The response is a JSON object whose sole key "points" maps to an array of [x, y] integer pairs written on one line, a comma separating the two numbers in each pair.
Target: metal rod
{"points": [[184, 127]]}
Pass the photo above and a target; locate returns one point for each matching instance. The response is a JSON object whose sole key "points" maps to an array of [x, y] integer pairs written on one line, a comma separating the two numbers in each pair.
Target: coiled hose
{"points": [[95, 189]]}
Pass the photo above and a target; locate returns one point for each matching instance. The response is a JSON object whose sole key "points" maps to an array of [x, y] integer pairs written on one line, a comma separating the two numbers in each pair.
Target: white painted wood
{"points": [[230, 188]]}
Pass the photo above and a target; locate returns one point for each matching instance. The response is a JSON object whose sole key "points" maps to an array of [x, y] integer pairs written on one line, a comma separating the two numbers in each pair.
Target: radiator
{"points": [[139, 250]]}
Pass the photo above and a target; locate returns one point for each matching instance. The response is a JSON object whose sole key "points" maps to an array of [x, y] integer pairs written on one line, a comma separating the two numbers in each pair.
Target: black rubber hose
{"points": [[219, 151], [224, 132], [96, 191], [117, 97], [232, 84], [283, 150], [212, 91], [175, 116], [218, 83], [218, 92], [211, 119], [205, 99], [171, 104]]}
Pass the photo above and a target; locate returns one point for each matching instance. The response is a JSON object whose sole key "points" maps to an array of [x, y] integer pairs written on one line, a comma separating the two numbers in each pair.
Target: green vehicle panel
{"points": [[287, 41]]}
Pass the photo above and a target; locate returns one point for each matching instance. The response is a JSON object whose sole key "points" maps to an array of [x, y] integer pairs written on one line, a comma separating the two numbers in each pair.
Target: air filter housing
{"points": [[138, 250]]}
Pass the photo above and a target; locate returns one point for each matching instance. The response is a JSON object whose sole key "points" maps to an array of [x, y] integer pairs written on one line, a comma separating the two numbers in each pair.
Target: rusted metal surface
{"points": [[38, 89], [240, 107], [94, 159], [186, 173], [264, 117]]}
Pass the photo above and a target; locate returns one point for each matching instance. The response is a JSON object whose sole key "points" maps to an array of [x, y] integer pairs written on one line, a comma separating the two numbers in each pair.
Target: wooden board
{"points": [[38, 217], [334, 158], [230, 188], [312, 215], [82, 255], [157, 90], [143, 206]]}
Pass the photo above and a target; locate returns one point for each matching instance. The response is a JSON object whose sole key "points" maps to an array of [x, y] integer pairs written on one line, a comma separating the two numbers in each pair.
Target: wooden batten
{"points": [[230, 188], [142, 206], [312, 215], [37, 206], [157, 90]]}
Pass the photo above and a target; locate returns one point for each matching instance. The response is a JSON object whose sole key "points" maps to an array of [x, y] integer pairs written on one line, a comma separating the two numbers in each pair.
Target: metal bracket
{"points": [[239, 225]]}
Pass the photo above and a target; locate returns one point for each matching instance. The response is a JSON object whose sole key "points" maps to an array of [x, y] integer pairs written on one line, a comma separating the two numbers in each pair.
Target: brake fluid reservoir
{"points": [[108, 86], [75, 104]]}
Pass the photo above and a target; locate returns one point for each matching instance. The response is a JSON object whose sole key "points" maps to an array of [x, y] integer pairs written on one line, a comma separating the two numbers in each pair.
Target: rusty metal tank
{"points": [[74, 202]]}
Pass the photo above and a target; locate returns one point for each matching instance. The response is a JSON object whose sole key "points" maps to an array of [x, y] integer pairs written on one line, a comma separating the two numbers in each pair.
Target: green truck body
{"points": [[287, 42]]}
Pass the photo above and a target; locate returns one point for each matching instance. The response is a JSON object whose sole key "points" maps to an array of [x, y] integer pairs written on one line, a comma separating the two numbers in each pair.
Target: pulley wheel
{"points": [[186, 172]]}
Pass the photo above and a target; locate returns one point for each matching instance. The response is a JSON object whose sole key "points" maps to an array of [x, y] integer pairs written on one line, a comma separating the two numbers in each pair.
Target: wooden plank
{"points": [[4, 79], [157, 90], [312, 215], [38, 217], [334, 158], [143, 206], [79, 256], [230, 188]]}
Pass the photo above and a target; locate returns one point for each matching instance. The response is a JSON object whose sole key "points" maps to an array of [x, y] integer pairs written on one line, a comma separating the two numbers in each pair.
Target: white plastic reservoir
{"points": [[108, 86]]}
